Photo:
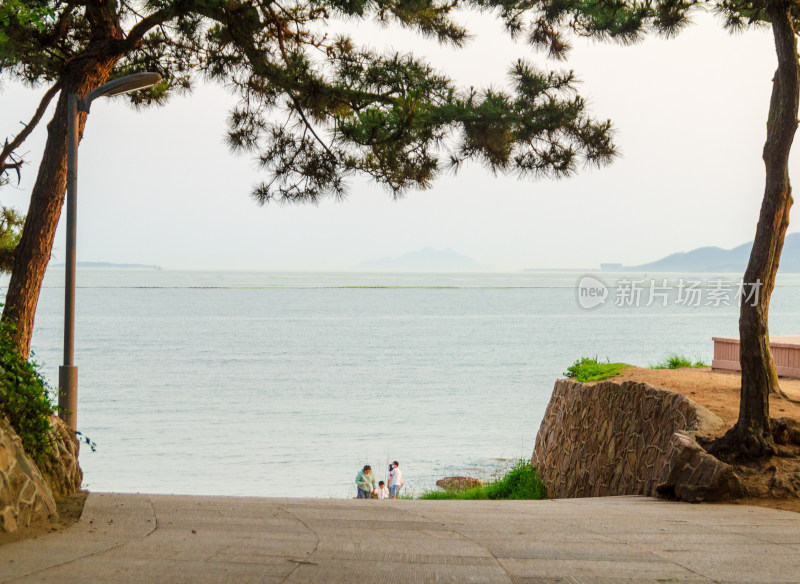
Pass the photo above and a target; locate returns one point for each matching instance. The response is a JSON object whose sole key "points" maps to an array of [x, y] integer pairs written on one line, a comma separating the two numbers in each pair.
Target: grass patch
{"points": [[676, 361], [521, 482], [586, 369]]}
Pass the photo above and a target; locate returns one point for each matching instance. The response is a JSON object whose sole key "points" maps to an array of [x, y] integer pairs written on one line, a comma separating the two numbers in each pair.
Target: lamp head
{"points": [[118, 86]]}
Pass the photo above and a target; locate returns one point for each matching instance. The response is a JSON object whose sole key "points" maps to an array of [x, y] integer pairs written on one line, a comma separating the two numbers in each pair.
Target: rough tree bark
{"points": [[751, 437], [33, 252], [81, 74]]}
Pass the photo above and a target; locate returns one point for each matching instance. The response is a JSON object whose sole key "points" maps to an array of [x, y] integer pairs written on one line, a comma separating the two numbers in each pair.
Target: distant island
{"points": [[715, 259], [112, 265], [424, 260]]}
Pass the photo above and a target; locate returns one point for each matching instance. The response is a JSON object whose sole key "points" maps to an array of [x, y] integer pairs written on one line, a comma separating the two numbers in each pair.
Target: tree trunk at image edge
{"points": [[33, 252], [751, 437]]}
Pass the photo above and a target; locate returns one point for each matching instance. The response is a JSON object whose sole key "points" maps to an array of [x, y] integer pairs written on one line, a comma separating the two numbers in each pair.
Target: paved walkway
{"points": [[619, 540]]}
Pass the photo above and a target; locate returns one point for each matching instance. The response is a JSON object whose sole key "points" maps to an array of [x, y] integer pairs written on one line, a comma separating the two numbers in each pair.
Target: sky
{"points": [[160, 186]]}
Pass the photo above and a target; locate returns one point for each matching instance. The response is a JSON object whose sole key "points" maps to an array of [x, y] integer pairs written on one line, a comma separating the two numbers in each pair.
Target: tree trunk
{"points": [[751, 437], [33, 252]]}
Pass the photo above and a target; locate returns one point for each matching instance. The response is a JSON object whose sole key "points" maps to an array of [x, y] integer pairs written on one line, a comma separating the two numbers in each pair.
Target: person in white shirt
{"points": [[395, 480], [383, 492]]}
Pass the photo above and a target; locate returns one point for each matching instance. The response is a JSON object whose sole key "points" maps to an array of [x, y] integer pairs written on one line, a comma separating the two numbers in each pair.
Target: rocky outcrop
{"points": [[628, 439], [60, 468], [24, 494], [694, 475], [458, 483]]}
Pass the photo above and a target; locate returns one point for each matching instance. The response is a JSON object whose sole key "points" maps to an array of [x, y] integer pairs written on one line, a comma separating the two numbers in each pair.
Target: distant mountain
{"points": [[111, 265], [716, 259], [424, 260]]}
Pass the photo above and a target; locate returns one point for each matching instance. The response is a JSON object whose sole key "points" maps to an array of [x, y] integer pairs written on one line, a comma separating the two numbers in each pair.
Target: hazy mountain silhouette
{"points": [[424, 260], [716, 259]]}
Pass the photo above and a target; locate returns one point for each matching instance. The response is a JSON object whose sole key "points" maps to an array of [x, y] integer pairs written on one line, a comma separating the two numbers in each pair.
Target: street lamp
{"points": [[68, 372]]}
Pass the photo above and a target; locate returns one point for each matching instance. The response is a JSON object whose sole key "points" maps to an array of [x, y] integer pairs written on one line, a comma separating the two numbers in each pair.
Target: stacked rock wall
{"points": [[24, 494], [627, 439], [60, 468]]}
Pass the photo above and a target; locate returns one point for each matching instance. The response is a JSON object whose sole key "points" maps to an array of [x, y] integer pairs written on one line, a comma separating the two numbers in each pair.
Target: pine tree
{"points": [[313, 107], [549, 24]]}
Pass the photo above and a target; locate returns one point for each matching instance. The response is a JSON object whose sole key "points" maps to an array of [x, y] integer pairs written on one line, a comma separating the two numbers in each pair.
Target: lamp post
{"points": [[68, 372]]}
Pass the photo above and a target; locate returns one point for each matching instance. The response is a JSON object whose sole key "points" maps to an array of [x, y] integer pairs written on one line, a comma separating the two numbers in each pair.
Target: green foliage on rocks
{"points": [[25, 399], [586, 369], [521, 482]]}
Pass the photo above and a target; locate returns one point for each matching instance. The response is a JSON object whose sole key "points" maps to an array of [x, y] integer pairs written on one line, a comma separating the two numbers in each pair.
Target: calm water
{"points": [[285, 384]]}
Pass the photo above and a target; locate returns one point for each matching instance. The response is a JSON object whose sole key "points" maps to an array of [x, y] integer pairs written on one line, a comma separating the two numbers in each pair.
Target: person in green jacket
{"points": [[365, 482]]}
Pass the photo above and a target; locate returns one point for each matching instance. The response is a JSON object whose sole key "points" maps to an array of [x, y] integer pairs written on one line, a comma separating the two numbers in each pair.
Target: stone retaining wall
{"points": [[24, 494], [60, 468], [628, 439]]}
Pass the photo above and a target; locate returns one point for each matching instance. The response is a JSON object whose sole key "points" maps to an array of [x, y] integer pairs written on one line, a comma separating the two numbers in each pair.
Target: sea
{"points": [[286, 384]]}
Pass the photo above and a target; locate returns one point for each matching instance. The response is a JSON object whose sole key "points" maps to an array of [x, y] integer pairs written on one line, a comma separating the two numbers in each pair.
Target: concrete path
{"points": [[617, 540]]}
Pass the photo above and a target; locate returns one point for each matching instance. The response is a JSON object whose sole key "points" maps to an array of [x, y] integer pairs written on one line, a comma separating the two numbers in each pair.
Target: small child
{"points": [[383, 492]]}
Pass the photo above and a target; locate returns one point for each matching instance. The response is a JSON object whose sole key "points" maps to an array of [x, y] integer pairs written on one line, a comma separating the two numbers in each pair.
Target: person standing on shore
{"points": [[395, 480], [365, 483]]}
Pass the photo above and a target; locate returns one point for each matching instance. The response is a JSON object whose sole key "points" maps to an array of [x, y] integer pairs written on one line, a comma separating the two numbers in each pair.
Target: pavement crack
{"points": [[688, 569], [490, 552], [497, 561], [155, 518], [79, 557], [299, 563]]}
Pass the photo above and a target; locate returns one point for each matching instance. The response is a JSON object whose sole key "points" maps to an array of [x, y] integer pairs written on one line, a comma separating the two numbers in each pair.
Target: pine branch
{"points": [[292, 96], [103, 19], [10, 147], [61, 27], [157, 18]]}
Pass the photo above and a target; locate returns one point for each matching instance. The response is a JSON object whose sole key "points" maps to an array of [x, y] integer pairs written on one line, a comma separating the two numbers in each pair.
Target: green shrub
{"points": [[586, 369], [676, 361], [461, 495], [25, 399], [521, 482]]}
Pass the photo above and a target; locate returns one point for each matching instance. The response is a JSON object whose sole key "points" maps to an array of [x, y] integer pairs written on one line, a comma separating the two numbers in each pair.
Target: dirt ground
{"points": [[69, 511], [719, 392]]}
